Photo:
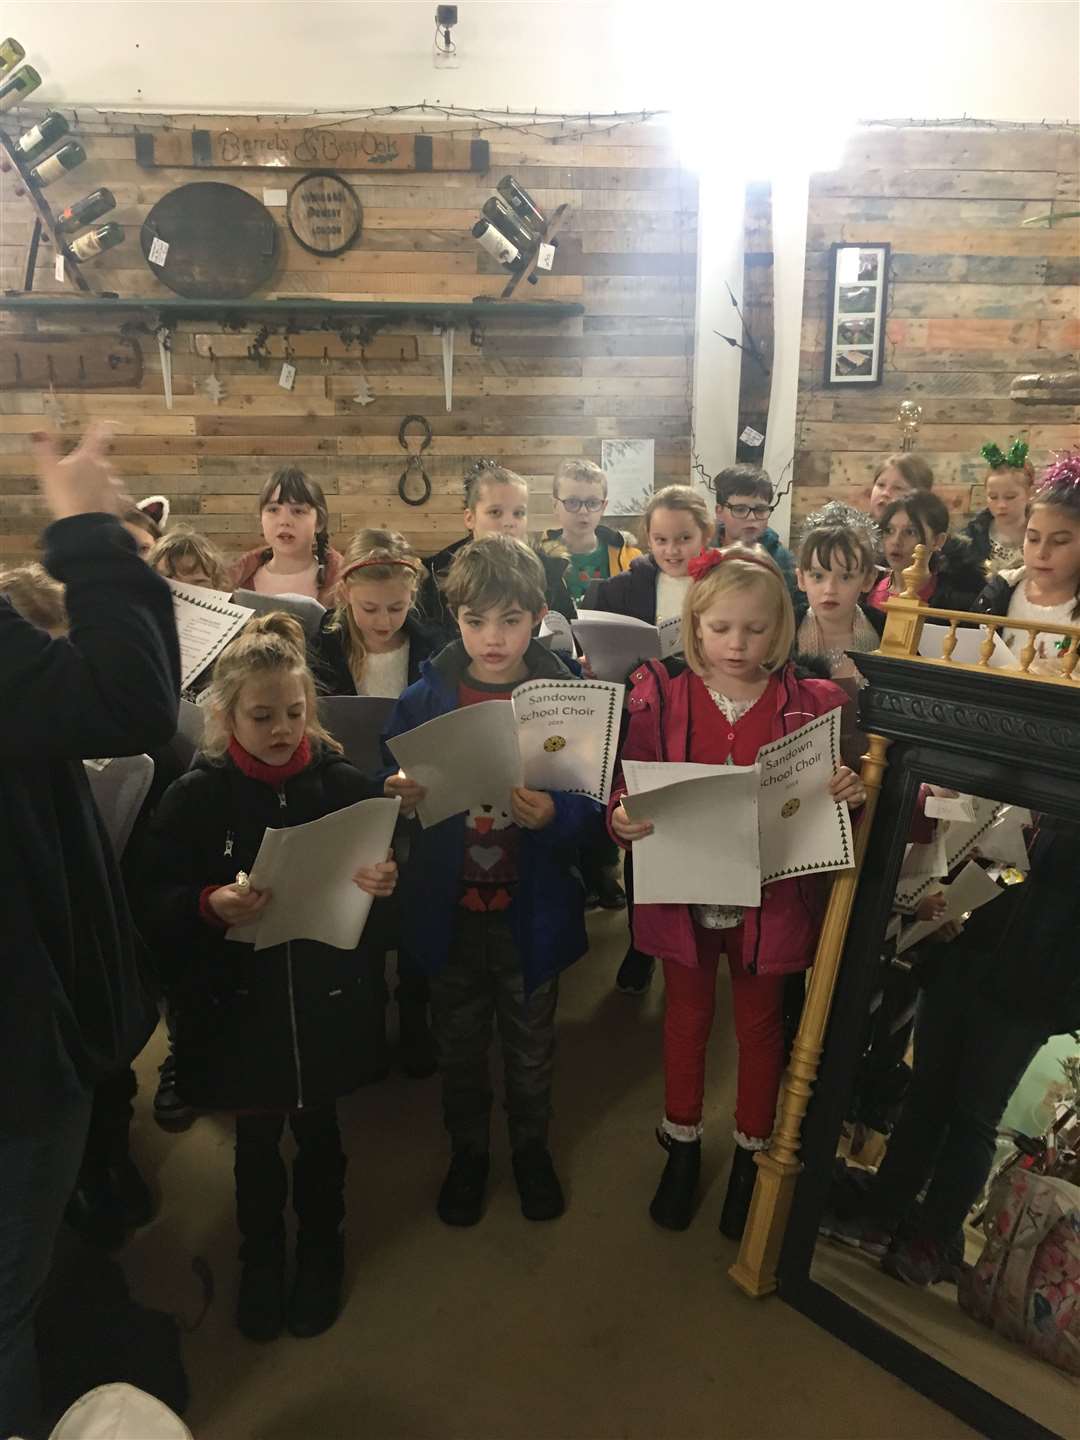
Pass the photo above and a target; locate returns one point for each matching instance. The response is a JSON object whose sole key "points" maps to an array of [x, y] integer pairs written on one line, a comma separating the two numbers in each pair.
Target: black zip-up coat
{"points": [[432, 604], [275, 1029], [330, 665], [960, 574], [996, 595], [632, 593], [73, 1003]]}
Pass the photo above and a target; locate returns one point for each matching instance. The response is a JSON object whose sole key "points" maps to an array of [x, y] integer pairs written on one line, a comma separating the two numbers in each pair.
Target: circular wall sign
{"points": [[324, 213], [210, 242]]}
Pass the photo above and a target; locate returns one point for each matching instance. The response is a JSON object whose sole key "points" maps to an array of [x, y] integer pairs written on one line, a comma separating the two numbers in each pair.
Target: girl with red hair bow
{"points": [[734, 692]]}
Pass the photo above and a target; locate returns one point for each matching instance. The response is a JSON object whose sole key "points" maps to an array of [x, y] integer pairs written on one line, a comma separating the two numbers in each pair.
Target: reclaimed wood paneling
{"points": [[529, 394], [976, 297]]}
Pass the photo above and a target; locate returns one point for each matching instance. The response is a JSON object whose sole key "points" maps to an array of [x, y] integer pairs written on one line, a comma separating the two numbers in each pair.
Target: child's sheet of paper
{"points": [[553, 735], [568, 734], [358, 721], [923, 862], [960, 838], [206, 620], [968, 645], [309, 869], [614, 644], [468, 757], [704, 849], [804, 831], [972, 888], [1004, 841], [555, 633]]}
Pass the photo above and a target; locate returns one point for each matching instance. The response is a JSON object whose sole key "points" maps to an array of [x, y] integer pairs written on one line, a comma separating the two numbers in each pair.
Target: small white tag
{"points": [[751, 437], [287, 378], [943, 807], [159, 250], [545, 257], [58, 268], [275, 197]]}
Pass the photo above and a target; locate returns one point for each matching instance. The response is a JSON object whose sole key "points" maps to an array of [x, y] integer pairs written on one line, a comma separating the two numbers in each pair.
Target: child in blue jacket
{"points": [[493, 901]]}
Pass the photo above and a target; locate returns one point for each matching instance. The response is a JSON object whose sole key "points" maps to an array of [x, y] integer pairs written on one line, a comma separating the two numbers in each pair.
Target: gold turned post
{"points": [[903, 622], [778, 1167], [948, 645]]}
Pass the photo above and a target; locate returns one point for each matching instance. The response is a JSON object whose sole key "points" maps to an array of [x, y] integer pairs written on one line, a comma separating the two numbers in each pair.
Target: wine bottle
{"points": [[65, 159], [15, 87], [522, 203], [503, 218], [44, 135], [11, 54], [95, 241], [90, 207], [496, 243]]}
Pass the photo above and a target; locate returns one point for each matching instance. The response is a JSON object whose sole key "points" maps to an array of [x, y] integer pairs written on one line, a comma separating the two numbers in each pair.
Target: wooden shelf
{"points": [[176, 309]]}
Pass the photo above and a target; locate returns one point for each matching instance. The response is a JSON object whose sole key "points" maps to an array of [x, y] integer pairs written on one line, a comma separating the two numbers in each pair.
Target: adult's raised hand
{"points": [[80, 483]]}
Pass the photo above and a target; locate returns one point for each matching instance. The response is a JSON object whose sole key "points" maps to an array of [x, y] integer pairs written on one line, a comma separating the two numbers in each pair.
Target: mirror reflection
{"points": [[953, 1216]]}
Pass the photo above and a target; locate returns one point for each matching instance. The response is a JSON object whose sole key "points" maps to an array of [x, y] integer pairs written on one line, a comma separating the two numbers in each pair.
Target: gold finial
{"points": [[916, 575], [907, 418]]}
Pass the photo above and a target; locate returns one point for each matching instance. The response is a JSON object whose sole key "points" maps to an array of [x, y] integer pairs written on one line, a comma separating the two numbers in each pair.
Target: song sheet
{"points": [[971, 888], [206, 620], [614, 644], [969, 643], [309, 869]]}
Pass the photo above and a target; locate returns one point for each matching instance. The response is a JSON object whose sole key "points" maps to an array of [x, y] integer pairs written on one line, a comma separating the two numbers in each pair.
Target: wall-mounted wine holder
{"points": [[45, 227]]}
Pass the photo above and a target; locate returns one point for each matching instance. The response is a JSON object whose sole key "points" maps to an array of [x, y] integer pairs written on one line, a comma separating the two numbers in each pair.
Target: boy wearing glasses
{"points": [[744, 502], [579, 492]]}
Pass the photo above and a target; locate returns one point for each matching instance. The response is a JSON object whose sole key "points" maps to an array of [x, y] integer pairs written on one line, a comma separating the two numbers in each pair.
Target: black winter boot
{"points": [[416, 1046], [461, 1198], [675, 1199], [740, 1191], [260, 1303], [315, 1302]]}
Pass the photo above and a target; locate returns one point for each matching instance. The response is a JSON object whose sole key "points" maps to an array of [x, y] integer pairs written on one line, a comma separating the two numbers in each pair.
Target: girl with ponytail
{"points": [[273, 1035]]}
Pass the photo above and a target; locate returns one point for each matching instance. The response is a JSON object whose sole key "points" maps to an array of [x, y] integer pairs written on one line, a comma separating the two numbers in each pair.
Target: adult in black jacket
{"points": [[330, 664], [72, 1000]]}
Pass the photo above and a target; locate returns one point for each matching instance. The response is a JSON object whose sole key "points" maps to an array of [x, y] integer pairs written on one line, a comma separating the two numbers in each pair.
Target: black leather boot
{"points": [[740, 1191], [260, 1303], [675, 1199]]}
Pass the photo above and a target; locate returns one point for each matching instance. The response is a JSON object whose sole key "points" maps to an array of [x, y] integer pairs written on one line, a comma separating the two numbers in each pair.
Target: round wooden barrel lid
{"points": [[324, 213], [210, 242]]}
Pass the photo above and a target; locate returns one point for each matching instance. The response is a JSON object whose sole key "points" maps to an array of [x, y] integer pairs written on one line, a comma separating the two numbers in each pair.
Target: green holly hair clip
{"points": [[1015, 458]]}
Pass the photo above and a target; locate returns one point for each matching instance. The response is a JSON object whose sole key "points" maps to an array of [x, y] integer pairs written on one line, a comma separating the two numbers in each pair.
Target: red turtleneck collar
{"points": [[270, 774]]}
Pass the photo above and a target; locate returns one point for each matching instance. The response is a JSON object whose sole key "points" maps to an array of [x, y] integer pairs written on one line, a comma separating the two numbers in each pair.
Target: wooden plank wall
{"points": [[528, 395], [976, 297]]}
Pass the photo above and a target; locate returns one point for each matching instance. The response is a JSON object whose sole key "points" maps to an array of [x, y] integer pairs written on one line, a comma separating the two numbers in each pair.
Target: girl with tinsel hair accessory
{"points": [[836, 568]]}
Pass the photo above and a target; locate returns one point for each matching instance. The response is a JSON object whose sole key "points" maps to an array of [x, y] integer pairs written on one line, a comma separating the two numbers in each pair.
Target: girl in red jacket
{"points": [[733, 693]]}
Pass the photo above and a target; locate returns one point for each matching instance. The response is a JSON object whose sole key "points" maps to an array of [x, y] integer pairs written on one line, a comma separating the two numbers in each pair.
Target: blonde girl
{"points": [[271, 1035], [997, 532], [373, 642], [734, 692], [496, 502]]}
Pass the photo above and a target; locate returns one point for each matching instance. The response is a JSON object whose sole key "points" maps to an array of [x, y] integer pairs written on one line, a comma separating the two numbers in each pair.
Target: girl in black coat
{"points": [[496, 503], [956, 573], [374, 643], [276, 1033]]}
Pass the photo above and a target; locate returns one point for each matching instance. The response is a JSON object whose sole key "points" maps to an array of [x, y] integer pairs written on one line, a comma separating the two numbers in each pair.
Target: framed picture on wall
{"points": [[858, 291]]}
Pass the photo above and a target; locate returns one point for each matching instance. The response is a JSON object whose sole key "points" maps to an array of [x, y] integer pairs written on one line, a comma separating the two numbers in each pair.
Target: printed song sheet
{"points": [[552, 735], [723, 831], [704, 850], [614, 644], [971, 888], [206, 620], [309, 869]]}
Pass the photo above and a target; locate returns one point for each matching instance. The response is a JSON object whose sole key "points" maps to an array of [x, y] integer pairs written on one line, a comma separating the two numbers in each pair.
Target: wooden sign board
{"points": [[302, 149], [324, 213], [70, 362]]}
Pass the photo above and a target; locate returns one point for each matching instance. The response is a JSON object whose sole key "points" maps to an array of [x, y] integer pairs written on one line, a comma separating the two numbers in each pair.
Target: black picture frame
{"points": [[858, 306], [987, 735]]}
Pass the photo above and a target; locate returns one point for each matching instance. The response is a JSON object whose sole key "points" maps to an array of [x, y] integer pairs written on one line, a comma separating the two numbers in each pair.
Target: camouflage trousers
{"points": [[482, 982]]}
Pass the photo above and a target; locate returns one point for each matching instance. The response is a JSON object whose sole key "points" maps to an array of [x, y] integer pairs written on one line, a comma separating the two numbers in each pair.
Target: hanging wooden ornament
{"points": [[364, 393], [214, 387]]}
